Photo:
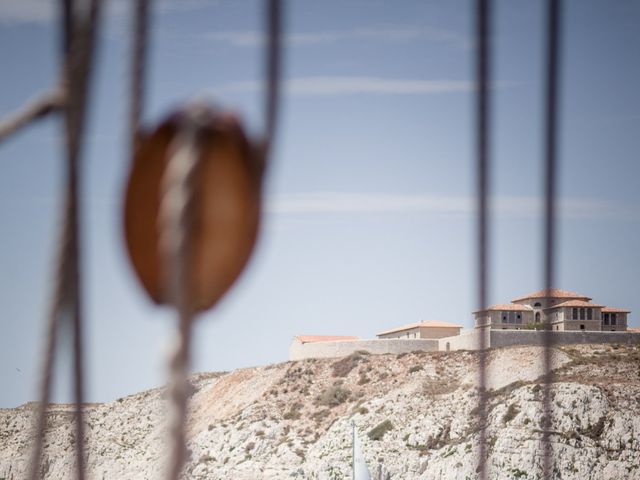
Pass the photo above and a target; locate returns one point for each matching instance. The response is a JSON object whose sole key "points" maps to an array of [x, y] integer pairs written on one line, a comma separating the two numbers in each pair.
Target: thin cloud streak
{"points": [[395, 34], [337, 85], [46, 11], [444, 205], [26, 11]]}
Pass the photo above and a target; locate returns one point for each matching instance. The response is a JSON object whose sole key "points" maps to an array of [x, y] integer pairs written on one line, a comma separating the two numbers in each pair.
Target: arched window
{"points": [[537, 317], [537, 304]]}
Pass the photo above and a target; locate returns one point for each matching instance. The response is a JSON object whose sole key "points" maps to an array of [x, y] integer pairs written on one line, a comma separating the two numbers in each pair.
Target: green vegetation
{"points": [[294, 412], [450, 452], [511, 413], [333, 396], [596, 430], [343, 367], [377, 432]]}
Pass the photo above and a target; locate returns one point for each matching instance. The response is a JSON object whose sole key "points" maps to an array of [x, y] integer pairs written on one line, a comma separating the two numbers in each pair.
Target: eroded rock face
{"points": [[416, 415]]}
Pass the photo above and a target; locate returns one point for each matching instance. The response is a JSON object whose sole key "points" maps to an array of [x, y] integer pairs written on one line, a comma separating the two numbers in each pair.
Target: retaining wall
{"points": [[299, 351], [504, 338], [467, 340]]}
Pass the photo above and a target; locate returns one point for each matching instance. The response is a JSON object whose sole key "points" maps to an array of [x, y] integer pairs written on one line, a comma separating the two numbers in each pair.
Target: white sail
{"points": [[360, 469]]}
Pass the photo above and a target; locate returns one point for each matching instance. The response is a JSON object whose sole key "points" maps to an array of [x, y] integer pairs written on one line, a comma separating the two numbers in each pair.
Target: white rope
{"points": [[175, 223]]}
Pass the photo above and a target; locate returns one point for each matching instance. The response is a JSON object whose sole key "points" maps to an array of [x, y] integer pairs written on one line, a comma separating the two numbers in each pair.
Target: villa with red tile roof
{"points": [[561, 309]]}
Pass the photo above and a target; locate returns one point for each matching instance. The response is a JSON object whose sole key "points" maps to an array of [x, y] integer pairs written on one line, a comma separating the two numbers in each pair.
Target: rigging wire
{"points": [[482, 72], [552, 99], [273, 69], [176, 219], [140, 29], [66, 305], [175, 224]]}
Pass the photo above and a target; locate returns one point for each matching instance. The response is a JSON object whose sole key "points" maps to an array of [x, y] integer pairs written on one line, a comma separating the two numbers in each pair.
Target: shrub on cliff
{"points": [[377, 432], [333, 396], [343, 367]]}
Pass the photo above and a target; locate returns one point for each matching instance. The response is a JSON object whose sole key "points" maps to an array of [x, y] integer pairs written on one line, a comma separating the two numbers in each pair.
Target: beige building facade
{"points": [[560, 310], [427, 329]]}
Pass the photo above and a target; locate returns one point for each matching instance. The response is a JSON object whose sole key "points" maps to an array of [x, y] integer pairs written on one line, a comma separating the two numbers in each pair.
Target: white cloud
{"points": [[396, 34], [167, 6], [42, 11], [26, 11], [340, 202], [447, 205], [337, 85]]}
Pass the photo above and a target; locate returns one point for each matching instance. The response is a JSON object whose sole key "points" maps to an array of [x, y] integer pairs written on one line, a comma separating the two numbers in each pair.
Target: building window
{"points": [[575, 313], [519, 318], [606, 319], [582, 327], [537, 304], [582, 314], [613, 319], [504, 317], [589, 314], [537, 317]]}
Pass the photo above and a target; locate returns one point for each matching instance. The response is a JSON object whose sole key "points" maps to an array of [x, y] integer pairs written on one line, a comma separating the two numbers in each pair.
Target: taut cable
{"points": [[483, 17], [550, 192]]}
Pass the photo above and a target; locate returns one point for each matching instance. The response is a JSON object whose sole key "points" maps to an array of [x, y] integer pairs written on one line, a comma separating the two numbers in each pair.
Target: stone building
{"points": [[560, 309], [424, 329]]}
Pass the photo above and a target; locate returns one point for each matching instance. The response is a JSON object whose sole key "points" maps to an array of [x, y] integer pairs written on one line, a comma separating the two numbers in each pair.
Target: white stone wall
{"points": [[299, 351], [504, 338], [467, 340]]}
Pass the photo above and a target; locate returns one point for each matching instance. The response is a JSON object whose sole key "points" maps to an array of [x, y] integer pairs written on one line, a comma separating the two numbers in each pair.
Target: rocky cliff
{"points": [[415, 413]]}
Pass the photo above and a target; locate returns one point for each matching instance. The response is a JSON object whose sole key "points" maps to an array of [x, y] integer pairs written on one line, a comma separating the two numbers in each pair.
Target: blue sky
{"points": [[369, 200]]}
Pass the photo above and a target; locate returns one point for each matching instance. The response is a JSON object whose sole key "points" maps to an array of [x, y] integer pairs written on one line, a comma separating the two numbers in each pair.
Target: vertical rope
{"points": [[175, 225], [272, 72], [78, 48], [79, 71], [175, 219], [46, 370], [483, 16], [550, 192], [140, 28]]}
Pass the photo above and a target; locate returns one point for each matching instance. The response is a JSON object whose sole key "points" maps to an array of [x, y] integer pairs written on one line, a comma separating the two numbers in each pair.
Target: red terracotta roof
{"points": [[422, 324], [633, 329], [324, 338], [615, 310], [576, 303], [508, 307], [553, 293]]}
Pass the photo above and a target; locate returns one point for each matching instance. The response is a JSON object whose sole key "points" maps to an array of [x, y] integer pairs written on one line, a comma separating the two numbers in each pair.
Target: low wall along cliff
{"points": [[467, 340], [505, 338], [299, 351]]}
